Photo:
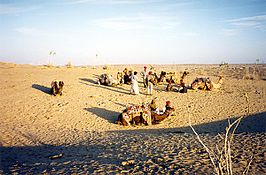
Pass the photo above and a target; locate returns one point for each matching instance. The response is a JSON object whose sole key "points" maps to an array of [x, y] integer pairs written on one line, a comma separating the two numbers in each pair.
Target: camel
{"points": [[57, 87], [107, 80], [124, 119], [157, 118], [199, 83], [206, 83], [135, 115], [160, 79], [211, 85]]}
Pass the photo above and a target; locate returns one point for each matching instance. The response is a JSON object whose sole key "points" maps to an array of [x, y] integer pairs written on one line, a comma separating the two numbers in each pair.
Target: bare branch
{"points": [[247, 168]]}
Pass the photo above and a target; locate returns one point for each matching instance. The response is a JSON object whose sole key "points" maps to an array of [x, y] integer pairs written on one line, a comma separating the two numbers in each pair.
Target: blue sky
{"points": [[132, 31]]}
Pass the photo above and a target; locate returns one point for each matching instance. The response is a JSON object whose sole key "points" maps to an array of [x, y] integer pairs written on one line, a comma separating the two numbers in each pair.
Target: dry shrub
{"points": [[255, 72], [49, 65], [106, 67], [221, 158]]}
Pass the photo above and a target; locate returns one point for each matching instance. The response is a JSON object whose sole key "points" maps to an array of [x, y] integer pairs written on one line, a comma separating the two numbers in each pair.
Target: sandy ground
{"points": [[79, 126]]}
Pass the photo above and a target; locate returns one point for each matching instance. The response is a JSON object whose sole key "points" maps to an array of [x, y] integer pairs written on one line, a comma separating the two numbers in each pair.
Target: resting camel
{"points": [[135, 115], [107, 80], [142, 115], [57, 87], [211, 85], [124, 119], [206, 83]]}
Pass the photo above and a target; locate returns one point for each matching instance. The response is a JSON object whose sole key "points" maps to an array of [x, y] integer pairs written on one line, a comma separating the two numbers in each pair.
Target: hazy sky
{"points": [[132, 31]]}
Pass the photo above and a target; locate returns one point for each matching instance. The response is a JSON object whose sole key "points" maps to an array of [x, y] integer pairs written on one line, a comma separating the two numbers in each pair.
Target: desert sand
{"points": [[76, 132]]}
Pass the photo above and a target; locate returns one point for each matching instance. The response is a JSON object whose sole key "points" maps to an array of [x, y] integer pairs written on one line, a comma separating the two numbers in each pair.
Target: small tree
{"points": [[69, 64], [51, 53], [257, 61]]}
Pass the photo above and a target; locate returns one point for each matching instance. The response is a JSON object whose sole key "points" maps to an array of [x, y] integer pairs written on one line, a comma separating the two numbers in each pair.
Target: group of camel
{"points": [[174, 83], [142, 115]]}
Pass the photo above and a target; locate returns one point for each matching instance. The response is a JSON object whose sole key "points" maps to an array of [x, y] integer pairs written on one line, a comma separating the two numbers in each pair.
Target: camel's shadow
{"points": [[91, 82], [88, 80], [106, 114], [42, 88]]}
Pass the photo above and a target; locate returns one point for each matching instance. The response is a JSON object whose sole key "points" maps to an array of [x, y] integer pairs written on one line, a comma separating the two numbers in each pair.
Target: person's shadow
{"points": [[42, 88]]}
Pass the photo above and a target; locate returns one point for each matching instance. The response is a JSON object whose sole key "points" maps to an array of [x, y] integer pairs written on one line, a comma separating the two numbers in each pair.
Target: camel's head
{"points": [[54, 84], [209, 84], [185, 73], [61, 84], [163, 73]]}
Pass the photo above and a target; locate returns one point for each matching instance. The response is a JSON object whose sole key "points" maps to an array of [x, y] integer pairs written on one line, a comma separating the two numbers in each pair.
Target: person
{"points": [[183, 88], [167, 106], [134, 84], [169, 86], [126, 76], [144, 75], [153, 106], [150, 83]]}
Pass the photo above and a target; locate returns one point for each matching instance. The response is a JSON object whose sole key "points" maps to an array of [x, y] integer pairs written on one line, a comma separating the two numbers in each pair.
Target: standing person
{"points": [[150, 83], [126, 76], [144, 75], [134, 84]]}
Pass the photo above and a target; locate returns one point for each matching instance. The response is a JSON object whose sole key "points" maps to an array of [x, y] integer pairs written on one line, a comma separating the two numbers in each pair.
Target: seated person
{"points": [[170, 84], [168, 106], [153, 107], [183, 88]]}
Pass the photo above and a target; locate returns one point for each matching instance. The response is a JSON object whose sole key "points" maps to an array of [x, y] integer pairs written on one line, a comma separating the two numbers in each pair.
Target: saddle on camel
{"points": [[57, 87], [142, 115]]}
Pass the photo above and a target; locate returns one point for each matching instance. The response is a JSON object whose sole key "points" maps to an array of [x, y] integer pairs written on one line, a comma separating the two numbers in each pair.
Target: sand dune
{"points": [[80, 124]]}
